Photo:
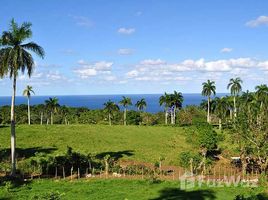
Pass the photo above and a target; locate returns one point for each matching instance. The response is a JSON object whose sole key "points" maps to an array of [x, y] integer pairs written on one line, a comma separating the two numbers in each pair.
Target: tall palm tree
{"points": [[15, 57], [262, 97], [262, 94], [125, 102], [27, 92], [221, 108], [165, 100], [52, 105], [110, 107], [176, 102], [209, 89], [235, 87], [141, 104]]}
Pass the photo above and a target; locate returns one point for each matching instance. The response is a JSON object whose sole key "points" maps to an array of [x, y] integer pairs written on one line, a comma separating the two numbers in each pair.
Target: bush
{"points": [[186, 157]]}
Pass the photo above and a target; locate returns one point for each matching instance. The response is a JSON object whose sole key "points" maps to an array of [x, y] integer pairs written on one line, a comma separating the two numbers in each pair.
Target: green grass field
{"points": [[113, 189], [138, 143], [145, 144]]}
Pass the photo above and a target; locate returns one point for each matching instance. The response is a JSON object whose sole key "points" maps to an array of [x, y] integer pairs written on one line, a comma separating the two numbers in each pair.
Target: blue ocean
{"points": [[97, 101]]}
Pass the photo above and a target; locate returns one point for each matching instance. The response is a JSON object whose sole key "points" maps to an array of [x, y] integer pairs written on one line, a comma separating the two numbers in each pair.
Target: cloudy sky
{"points": [[152, 46]]}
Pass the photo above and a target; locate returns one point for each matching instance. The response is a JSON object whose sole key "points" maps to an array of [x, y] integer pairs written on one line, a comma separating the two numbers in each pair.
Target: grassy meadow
{"points": [[120, 189], [139, 143]]}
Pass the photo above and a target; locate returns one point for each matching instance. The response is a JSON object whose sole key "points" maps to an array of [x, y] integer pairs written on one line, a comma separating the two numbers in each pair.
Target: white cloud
{"points": [[226, 50], [160, 70], [153, 62], [86, 72], [125, 51], [261, 20], [110, 78], [126, 31], [132, 73], [92, 69], [82, 21]]}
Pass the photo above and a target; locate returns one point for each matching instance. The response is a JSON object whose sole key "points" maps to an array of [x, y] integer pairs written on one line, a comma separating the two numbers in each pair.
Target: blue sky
{"points": [[152, 46]]}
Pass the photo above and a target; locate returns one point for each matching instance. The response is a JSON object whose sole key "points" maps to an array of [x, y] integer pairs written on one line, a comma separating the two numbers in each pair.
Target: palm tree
{"points": [[176, 102], [15, 57], [209, 89], [236, 88], [262, 97], [262, 94], [221, 109], [65, 112], [125, 102], [110, 107], [52, 105], [141, 104], [165, 100], [27, 92]]}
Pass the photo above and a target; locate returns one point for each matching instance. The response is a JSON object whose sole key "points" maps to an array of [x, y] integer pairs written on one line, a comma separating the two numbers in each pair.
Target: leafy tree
{"points": [[125, 102], [15, 57], [209, 89], [52, 105], [110, 108], [27, 92], [235, 87]]}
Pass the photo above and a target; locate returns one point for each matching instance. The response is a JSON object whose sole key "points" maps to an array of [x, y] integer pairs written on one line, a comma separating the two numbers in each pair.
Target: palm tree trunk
{"points": [[220, 124], [29, 112], [51, 118], [174, 115], [110, 122], [234, 107], [166, 116], [208, 116], [171, 117], [13, 131], [41, 118], [125, 117]]}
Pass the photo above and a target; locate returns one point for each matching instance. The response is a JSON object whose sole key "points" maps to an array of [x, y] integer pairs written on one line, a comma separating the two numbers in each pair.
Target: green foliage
{"points": [[188, 157], [53, 195], [133, 118]]}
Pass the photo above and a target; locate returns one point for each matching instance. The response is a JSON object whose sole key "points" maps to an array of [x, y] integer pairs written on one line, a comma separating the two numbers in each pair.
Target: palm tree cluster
{"points": [[15, 57], [244, 114], [172, 103], [111, 107]]}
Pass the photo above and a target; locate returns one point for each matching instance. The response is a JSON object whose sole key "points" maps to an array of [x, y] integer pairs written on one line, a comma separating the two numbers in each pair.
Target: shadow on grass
{"points": [[24, 152], [177, 194], [11, 182], [116, 155], [4, 126]]}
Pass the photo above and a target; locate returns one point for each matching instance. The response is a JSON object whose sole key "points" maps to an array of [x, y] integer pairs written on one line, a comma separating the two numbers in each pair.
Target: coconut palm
{"points": [[221, 108], [141, 104], [262, 94], [110, 108], [52, 105], [235, 87], [125, 102], [165, 100], [15, 57], [65, 112], [209, 89], [176, 100], [27, 93]]}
